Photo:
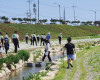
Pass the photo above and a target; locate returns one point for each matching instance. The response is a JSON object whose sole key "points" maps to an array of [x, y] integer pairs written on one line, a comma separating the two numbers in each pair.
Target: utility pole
{"points": [[95, 14], [38, 11], [64, 15], [29, 14], [74, 11], [34, 10], [59, 12]]}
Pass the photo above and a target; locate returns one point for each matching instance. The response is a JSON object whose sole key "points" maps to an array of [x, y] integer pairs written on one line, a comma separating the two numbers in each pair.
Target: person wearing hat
{"points": [[6, 46], [47, 51], [26, 38], [15, 40], [60, 38], [48, 37]]}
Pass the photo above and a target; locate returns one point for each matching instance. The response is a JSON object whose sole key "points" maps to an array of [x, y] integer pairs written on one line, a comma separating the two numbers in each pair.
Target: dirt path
{"points": [[28, 46], [81, 69]]}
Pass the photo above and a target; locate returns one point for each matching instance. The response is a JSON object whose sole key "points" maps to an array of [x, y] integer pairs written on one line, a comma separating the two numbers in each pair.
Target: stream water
{"points": [[24, 72]]}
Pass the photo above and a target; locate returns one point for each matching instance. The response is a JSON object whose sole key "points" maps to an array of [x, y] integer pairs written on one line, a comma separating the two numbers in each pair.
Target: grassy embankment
{"points": [[73, 31]]}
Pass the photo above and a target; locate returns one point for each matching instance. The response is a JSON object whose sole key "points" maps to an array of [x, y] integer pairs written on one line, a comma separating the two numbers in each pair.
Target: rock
{"points": [[29, 64], [54, 66], [31, 59], [46, 78], [3, 72], [17, 66], [13, 68], [38, 59], [38, 64], [20, 62], [1, 75], [6, 70], [4, 65], [28, 60], [42, 70]]}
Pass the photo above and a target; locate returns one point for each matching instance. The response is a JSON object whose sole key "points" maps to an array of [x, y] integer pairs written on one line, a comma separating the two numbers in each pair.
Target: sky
{"points": [[48, 9]]}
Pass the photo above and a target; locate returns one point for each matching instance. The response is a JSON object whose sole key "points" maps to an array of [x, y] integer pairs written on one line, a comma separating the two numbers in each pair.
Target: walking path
{"points": [[84, 68], [25, 46]]}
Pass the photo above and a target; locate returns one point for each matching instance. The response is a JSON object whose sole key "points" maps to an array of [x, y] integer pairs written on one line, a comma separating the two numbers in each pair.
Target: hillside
{"points": [[73, 31]]}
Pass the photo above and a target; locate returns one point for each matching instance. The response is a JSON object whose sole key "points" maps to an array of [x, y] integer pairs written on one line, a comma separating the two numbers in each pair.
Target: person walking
{"points": [[44, 39], [1, 56], [1, 38], [31, 39], [15, 40], [38, 37], [26, 38], [41, 39], [60, 38], [47, 51], [70, 49], [34, 39], [6, 37], [48, 37], [6, 46]]}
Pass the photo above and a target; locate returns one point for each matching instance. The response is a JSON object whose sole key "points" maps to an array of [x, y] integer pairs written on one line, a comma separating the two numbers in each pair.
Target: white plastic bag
{"points": [[75, 56]]}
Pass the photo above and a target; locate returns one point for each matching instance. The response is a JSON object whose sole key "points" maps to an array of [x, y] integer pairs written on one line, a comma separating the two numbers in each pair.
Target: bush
{"points": [[24, 55]]}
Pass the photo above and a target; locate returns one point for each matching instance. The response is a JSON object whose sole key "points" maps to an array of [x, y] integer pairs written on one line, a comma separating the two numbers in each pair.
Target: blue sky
{"points": [[48, 10]]}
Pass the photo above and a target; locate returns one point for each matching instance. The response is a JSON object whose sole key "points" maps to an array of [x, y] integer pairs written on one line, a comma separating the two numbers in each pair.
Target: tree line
{"points": [[53, 21]]}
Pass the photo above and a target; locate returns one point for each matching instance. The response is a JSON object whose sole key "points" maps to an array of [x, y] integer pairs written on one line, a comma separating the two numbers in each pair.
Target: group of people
{"points": [[35, 39], [69, 49], [45, 40], [4, 43]]}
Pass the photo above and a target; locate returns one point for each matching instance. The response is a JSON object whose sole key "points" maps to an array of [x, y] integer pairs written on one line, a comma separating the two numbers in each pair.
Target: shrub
{"points": [[24, 55]]}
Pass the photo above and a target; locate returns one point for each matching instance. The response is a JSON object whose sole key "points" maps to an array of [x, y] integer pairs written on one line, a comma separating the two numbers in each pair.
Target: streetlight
{"points": [[34, 10], [38, 11], [59, 10]]}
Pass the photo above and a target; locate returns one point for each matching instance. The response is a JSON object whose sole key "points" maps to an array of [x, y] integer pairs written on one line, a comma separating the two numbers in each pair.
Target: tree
{"points": [[20, 19], [43, 21], [14, 19], [33, 20], [4, 18], [53, 20]]}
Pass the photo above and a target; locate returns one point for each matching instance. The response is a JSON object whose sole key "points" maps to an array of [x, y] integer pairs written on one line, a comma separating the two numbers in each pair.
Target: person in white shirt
{"points": [[6, 36], [47, 51], [17, 38], [44, 39], [26, 38]]}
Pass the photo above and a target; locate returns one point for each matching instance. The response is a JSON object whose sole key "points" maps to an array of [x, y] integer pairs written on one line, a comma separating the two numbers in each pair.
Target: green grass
{"points": [[93, 54], [62, 71], [73, 31]]}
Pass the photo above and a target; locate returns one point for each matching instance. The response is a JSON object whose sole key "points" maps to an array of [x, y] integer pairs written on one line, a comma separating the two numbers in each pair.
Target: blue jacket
{"points": [[48, 37]]}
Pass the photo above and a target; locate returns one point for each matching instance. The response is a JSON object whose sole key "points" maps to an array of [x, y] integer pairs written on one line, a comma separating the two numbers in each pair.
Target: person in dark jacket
{"points": [[6, 46]]}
